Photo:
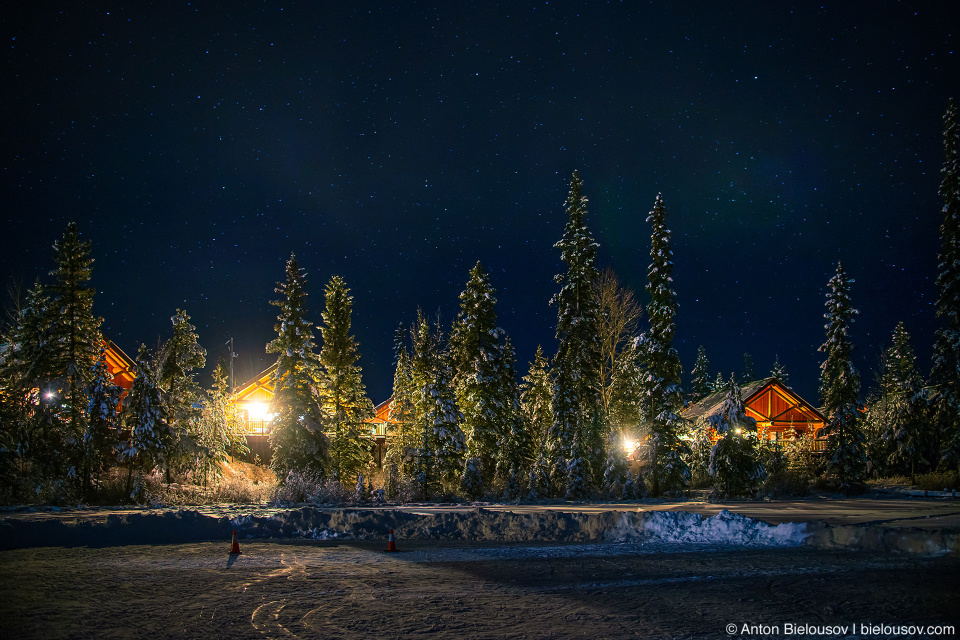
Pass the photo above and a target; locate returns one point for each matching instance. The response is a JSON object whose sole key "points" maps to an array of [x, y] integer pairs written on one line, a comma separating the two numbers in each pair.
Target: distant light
{"points": [[49, 395], [736, 430], [629, 445], [258, 412]]}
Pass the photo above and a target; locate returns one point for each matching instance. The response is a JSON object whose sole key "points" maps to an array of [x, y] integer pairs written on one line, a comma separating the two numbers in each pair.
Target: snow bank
{"points": [[724, 528], [474, 525]]}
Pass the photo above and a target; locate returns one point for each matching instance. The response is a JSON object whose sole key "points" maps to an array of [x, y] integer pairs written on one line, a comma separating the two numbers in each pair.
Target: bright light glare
{"points": [[257, 412], [50, 395], [629, 445]]}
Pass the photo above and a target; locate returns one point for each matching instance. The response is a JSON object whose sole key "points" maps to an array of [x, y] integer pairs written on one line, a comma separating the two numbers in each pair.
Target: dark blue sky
{"points": [[198, 144]]}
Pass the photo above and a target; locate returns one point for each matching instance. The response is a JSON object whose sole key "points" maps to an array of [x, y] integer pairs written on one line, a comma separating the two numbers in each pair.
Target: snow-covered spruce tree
{"points": [[719, 384], [700, 382], [31, 426], [901, 406], [103, 423], [667, 468], [179, 359], [615, 468], [221, 433], [735, 458], [577, 402], [343, 395], [840, 387], [297, 431], [536, 396], [477, 357], [442, 443], [400, 458], [74, 338], [151, 437], [945, 374], [778, 371], [701, 444], [749, 372], [515, 446]]}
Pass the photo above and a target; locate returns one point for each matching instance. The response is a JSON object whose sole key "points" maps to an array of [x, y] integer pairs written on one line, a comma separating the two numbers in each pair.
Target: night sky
{"points": [[198, 144]]}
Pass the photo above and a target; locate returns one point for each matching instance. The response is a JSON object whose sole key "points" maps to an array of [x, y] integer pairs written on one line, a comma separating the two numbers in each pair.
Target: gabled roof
{"points": [[767, 400], [262, 385]]}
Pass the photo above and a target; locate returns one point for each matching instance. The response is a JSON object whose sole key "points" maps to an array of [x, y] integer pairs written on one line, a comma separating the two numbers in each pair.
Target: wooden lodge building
{"points": [[780, 413], [251, 401]]}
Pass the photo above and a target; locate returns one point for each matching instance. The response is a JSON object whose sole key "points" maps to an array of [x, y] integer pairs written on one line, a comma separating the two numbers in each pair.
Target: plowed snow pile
{"points": [[478, 525]]}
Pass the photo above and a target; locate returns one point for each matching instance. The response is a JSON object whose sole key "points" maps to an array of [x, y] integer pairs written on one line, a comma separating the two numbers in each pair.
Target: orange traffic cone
{"points": [[235, 547], [391, 545]]}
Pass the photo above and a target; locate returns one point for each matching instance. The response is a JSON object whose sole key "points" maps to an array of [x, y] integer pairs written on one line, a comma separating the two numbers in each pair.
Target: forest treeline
{"points": [[463, 423]]}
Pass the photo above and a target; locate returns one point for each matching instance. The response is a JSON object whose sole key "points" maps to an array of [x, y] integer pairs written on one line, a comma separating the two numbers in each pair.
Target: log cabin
{"points": [[780, 413], [251, 401]]}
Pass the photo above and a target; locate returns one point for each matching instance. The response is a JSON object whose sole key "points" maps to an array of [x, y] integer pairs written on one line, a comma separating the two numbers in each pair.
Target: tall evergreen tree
{"points": [[297, 435], [700, 384], [515, 446], [403, 417], [840, 386], [103, 422], [478, 360], [344, 396], [179, 359], [536, 398], [151, 435], [901, 405], [662, 384], [945, 374], [577, 402], [779, 371], [442, 443], [74, 334]]}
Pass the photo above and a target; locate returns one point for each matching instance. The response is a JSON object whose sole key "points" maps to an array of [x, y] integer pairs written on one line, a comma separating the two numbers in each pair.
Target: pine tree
{"points": [[536, 401], [151, 436], [577, 402], [536, 404], [31, 425], [344, 396], [662, 384], [442, 443], [901, 404], [515, 444], [735, 458], [297, 436], [700, 384], [403, 442], [840, 386], [179, 359], [221, 433], [749, 372], [719, 384], [478, 360], [779, 372], [945, 374], [103, 422], [74, 336], [698, 460]]}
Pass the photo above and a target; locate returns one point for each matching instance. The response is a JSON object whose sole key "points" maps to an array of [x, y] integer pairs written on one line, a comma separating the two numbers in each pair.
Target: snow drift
{"points": [[476, 525]]}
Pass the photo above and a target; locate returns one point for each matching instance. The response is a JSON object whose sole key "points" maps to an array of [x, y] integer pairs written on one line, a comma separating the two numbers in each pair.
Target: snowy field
{"points": [[463, 590]]}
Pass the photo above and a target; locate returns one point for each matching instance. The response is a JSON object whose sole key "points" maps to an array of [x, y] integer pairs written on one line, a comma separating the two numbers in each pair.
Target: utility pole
{"points": [[233, 386]]}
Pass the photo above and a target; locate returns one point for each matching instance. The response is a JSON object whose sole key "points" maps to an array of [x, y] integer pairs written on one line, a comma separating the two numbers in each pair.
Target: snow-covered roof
{"points": [[711, 404]]}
